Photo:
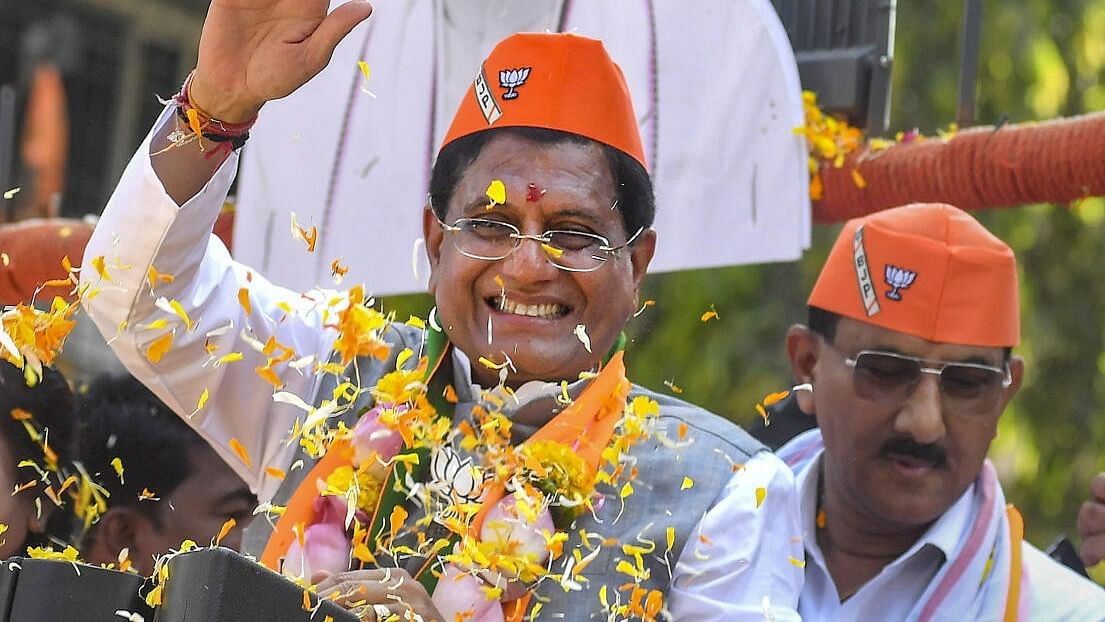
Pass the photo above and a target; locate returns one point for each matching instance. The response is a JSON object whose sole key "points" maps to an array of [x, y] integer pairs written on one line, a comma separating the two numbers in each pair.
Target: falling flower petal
{"points": [[243, 299], [761, 493], [100, 264], [710, 315], [858, 179], [687, 483], [240, 451], [338, 271], [158, 347], [117, 464], [310, 237], [225, 529], [763, 414], [233, 357], [774, 398], [552, 251], [581, 334], [203, 399]]}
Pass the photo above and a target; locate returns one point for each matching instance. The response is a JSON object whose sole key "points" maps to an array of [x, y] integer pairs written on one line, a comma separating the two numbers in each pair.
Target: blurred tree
{"points": [[1040, 59]]}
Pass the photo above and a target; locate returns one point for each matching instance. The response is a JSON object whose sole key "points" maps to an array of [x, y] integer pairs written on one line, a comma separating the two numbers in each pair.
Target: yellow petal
{"points": [[710, 315], [181, 313], [203, 399], [240, 451], [496, 192], [243, 299], [858, 179], [158, 347], [761, 493], [552, 251], [101, 267], [233, 357], [626, 490], [225, 529], [687, 483], [773, 398], [117, 464]]}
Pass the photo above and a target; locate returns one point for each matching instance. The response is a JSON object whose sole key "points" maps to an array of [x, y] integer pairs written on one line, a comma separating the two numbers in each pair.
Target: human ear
{"points": [[434, 235], [119, 528], [1016, 375], [640, 254], [803, 350]]}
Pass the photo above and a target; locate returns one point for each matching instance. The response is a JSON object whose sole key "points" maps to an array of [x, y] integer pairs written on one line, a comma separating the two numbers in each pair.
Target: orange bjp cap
{"points": [[927, 270], [559, 82]]}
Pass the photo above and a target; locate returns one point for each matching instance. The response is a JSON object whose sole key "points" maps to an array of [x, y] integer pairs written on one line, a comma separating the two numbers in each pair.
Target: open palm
{"points": [[253, 51]]}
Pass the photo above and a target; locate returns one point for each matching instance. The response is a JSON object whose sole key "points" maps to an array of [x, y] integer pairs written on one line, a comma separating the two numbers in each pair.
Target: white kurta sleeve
{"points": [[143, 228], [743, 560]]}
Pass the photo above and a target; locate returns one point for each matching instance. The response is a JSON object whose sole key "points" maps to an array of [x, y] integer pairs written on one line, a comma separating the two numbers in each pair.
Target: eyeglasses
{"points": [[491, 240], [890, 378]]}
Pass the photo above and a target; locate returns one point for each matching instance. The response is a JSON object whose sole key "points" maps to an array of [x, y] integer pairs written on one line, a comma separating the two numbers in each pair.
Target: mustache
{"points": [[927, 452]]}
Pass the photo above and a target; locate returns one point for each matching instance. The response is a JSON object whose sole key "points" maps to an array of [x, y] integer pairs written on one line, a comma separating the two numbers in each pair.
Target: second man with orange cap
{"points": [[907, 356]]}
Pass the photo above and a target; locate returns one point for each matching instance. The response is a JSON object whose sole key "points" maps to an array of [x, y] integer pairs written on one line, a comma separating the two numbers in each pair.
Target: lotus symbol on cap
{"points": [[898, 279], [511, 79]]}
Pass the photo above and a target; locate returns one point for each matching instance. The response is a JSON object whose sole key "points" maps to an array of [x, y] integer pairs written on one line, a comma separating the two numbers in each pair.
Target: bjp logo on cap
{"points": [[898, 279], [511, 79]]}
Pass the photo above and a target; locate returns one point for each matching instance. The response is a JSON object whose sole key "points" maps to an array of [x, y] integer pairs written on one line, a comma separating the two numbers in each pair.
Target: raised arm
{"points": [[251, 52], [183, 317]]}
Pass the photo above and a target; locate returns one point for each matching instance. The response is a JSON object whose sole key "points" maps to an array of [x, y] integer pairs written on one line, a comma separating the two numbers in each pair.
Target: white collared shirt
{"points": [[1050, 590], [894, 592]]}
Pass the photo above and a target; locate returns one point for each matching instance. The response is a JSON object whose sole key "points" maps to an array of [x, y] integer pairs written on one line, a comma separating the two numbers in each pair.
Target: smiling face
{"points": [[896, 466], [534, 307]]}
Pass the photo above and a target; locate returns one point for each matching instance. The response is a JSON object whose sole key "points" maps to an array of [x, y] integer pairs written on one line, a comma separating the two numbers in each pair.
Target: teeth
{"points": [[544, 311]]}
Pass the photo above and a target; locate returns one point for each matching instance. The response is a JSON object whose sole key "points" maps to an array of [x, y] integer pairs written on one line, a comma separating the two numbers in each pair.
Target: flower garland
{"points": [[406, 451]]}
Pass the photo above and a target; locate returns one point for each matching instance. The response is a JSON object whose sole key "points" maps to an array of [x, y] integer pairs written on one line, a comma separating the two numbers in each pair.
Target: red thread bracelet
{"points": [[228, 136]]}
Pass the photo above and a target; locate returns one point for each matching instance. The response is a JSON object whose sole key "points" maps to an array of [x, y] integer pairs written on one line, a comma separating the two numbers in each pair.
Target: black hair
{"points": [[122, 419], [50, 406], [632, 184], [824, 323]]}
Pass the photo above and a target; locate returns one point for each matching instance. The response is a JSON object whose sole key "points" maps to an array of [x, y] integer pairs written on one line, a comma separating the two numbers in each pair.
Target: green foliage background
{"points": [[1040, 59]]}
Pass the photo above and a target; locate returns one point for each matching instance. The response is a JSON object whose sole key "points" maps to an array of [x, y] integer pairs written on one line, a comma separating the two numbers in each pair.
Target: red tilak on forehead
{"points": [[534, 192]]}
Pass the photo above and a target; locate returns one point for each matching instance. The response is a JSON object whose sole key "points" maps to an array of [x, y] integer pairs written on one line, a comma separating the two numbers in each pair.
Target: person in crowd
{"points": [[908, 360], [36, 453], [532, 295], [165, 484], [1091, 524]]}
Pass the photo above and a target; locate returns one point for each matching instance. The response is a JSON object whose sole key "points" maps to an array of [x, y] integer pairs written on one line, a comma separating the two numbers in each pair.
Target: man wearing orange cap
{"points": [[498, 463], [908, 358]]}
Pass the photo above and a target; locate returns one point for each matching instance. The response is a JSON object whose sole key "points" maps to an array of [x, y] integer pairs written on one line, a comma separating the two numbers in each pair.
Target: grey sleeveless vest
{"points": [[706, 455]]}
